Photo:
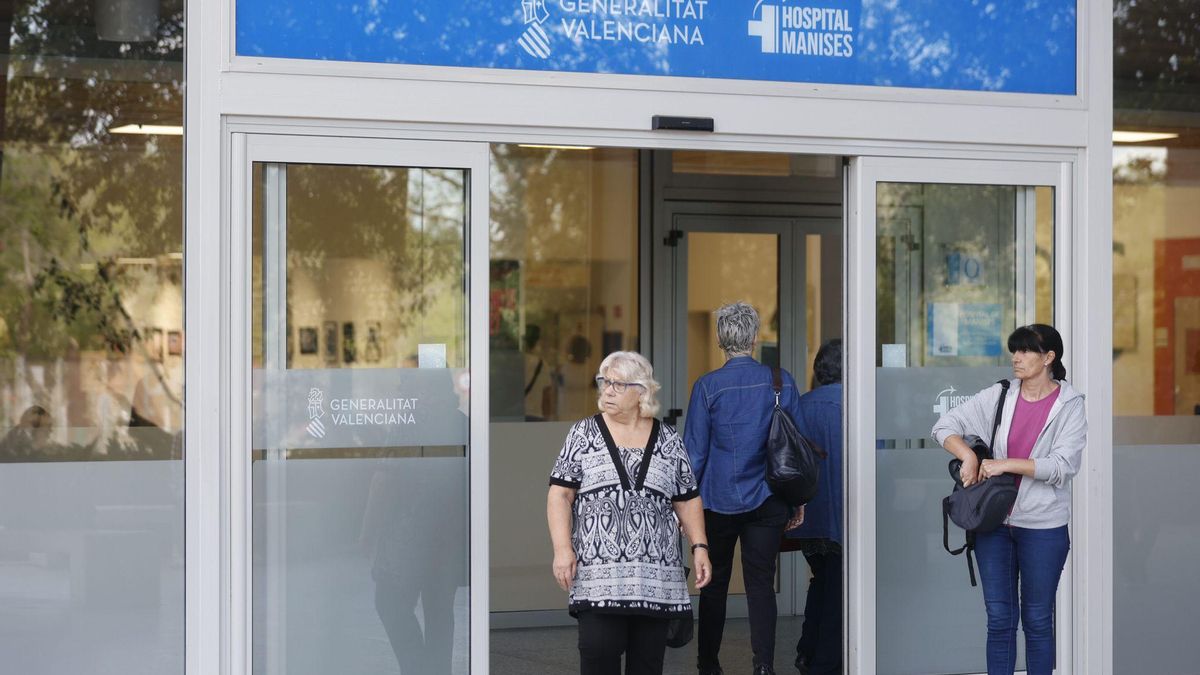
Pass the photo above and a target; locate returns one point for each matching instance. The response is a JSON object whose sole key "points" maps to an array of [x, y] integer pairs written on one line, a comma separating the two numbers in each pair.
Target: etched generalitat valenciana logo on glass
{"points": [[534, 40], [357, 412], [802, 30], [316, 410], [946, 401]]}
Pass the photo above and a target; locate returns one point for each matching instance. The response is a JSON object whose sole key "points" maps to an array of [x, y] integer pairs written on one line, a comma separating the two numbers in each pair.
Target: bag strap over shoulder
{"points": [[776, 382], [999, 414], [968, 546], [615, 454]]}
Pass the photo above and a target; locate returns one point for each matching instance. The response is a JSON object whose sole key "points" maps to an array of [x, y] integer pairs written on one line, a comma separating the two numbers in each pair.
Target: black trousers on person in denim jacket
{"points": [[759, 532]]}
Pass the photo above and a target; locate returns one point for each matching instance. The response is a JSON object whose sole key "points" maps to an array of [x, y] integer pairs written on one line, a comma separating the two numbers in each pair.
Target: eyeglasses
{"points": [[618, 387]]}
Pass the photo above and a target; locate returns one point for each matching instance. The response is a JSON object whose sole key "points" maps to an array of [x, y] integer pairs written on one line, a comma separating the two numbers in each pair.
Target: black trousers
{"points": [[603, 638], [759, 532], [820, 644]]}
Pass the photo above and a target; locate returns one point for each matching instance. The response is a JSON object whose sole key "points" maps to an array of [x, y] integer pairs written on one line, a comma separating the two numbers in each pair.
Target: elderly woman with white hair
{"points": [[620, 490], [728, 419]]}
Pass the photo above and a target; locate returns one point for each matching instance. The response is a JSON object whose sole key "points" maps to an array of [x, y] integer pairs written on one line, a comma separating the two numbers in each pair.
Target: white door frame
{"points": [[244, 149], [865, 174]]}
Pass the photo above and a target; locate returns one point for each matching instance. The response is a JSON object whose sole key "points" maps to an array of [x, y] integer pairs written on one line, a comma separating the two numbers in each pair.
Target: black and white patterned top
{"points": [[624, 530]]}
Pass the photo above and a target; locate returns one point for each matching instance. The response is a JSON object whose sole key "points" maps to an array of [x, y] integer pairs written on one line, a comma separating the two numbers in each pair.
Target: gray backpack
{"points": [[983, 506]]}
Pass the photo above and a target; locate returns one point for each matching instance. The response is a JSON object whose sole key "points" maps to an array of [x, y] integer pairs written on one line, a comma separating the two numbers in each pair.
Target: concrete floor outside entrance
{"points": [[553, 651]]}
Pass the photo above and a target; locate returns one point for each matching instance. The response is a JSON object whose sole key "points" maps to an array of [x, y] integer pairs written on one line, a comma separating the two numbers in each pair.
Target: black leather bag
{"points": [[793, 461], [680, 630], [983, 506]]}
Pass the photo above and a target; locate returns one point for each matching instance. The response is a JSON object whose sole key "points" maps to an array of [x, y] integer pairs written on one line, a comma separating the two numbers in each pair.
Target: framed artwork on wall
{"points": [[373, 349], [154, 344], [331, 342], [308, 340], [349, 349], [175, 343]]}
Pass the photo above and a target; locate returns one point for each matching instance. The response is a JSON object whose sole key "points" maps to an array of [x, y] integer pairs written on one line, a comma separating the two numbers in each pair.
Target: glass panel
{"points": [[563, 277], [564, 294], [360, 467], [813, 310], [715, 162], [91, 339], [724, 267], [1156, 335], [955, 266]]}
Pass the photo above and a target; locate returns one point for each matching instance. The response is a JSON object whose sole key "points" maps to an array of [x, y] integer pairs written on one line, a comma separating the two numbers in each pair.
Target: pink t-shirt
{"points": [[1027, 423]]}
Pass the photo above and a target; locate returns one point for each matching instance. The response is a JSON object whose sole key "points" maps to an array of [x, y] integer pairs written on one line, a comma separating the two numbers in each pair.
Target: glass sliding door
{"points": [[360, 462], [960, 255], [91, 341]]}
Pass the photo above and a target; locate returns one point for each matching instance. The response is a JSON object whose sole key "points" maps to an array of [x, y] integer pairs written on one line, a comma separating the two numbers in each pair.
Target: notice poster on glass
{"points": [[965, 329]]}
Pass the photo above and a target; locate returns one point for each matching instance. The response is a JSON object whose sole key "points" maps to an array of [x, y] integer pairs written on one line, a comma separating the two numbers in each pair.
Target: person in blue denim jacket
{"points": [[819, 650], [728, 419]]}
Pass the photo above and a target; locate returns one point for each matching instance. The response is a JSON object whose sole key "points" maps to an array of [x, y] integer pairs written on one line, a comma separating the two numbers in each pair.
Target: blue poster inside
{"points": [[965, 329]]}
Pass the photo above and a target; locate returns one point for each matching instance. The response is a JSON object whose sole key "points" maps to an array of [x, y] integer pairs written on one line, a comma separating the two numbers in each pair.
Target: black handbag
{"points": [[793, 461], [680, 629], [983, 506]]}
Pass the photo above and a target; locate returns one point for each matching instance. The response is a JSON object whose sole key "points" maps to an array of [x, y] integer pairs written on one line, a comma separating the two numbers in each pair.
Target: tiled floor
{"points": [[552, 651]]}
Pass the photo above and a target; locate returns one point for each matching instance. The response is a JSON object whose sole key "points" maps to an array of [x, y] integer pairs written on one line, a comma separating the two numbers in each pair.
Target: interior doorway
{"points": [[600, 249]]}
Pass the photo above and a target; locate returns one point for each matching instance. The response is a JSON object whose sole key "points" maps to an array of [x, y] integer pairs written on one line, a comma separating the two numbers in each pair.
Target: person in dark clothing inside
{"points": [[819, 650]]}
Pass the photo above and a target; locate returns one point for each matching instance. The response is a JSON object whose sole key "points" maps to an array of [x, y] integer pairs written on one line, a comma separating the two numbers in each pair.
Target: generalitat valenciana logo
{"points": [[535, 40], [316, 410]]}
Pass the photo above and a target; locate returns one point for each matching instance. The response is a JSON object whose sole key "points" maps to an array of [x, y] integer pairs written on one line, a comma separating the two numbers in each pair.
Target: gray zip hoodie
{"points": [[1045, 501]]}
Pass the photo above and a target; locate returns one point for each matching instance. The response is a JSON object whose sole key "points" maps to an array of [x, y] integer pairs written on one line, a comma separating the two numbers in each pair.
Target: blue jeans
{"points": [[1034, 559]]}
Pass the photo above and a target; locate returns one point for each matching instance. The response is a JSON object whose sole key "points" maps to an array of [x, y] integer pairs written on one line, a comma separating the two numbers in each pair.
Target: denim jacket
{"points": [[728, 418], [821, 418]]}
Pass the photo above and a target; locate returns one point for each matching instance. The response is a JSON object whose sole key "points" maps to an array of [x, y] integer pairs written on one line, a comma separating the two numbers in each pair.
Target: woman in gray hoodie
{"points": [[1042, 434]]}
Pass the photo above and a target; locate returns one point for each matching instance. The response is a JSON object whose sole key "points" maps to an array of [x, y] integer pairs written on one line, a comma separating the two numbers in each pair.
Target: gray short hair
{"points": [[737, 328], [634, 368]]}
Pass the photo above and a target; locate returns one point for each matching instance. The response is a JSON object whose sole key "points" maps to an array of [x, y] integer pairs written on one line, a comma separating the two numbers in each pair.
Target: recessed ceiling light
{"points": [[556, 147], [1141, 136], [148, 129]]}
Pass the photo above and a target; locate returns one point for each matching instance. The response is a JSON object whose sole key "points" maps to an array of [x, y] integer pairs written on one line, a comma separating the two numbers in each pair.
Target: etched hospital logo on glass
{"points": [[802, 30], [946, 401]]}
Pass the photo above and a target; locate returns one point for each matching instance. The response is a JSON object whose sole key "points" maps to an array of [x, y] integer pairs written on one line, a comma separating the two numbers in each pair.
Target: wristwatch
{"points": [[696, 546]]}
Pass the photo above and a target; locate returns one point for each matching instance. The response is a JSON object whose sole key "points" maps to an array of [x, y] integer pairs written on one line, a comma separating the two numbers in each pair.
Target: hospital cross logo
{"points": [[535, 40], [766, 27], [316, 410], [802, 30]]}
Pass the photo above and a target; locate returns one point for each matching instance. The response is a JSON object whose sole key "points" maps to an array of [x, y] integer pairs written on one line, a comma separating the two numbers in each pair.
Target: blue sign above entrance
{"points": [[975, 45]]}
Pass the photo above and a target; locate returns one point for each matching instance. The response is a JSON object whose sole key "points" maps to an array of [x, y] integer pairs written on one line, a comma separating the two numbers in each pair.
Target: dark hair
{"points": [[827, 368], [1040, 338]]}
